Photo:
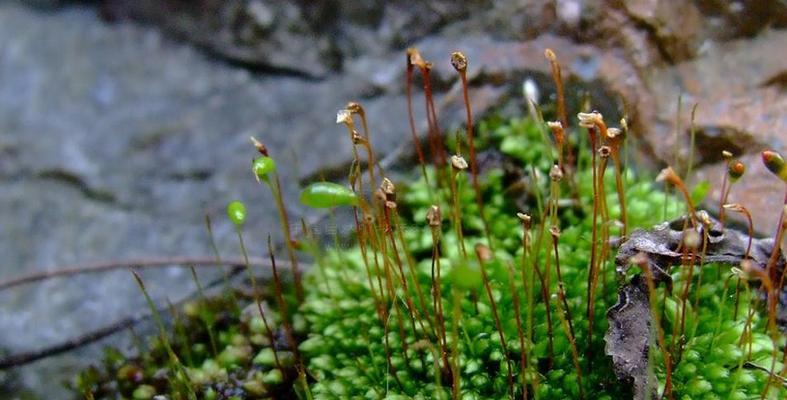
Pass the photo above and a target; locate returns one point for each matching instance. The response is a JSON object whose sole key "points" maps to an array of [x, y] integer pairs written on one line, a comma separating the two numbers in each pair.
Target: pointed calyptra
{"points": [[775, 163]]}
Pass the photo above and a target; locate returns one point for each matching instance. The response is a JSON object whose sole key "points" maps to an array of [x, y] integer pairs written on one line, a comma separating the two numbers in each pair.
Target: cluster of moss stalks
{"points": [[452, 290]]}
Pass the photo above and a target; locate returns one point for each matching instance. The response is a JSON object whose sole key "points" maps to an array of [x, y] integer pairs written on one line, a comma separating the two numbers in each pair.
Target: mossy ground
{"points": [[343, 340]]}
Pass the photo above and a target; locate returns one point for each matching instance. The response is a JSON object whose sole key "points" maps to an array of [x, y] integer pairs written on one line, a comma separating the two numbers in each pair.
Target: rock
{"points": [[310, 38], [741, 108], [730, 20], [272, 35], [673, 24], [758, 190], [115, 143]]}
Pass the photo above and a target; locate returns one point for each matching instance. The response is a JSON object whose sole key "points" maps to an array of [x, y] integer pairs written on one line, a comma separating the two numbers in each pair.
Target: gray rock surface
{"points": [[115, 142]]}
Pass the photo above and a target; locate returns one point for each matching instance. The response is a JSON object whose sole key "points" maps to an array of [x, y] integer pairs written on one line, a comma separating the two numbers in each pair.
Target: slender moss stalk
{"points": [[456, 318], [360, 229], [409, 94], [668, 175], [365, 141], [722, 304], [388, 208], [559, 134], [436, 145], [459, 61], [752, 271], [743, 210], [545, 297], [589, 121], [558, 79], [370, 234], [615, 138], [179, 331], [391, 367], [603, 152], [735, 169], [180, 372], [457, 164], [775, 163], [528, 283], [689, 246], [285, 314], [384, 206], [692, 140], [389, 190], [519, 331], [227, 288], [257, 299], [380, 250], [742, 275], [564, 311], [707, 226], [203, 315], [284, 220], [777, 241], [434, 220], [483, 254]]}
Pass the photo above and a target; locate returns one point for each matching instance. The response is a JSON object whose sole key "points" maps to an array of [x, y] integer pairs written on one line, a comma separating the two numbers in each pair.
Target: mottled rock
{"points": [[742, 108], [733, 19], [673, 24], [115, 142], [305, 37], [759, 191]]}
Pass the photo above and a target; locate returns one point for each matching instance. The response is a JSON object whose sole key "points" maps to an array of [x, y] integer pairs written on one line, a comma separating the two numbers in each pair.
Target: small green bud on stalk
{"points": [[262, 166], [236, 211]]}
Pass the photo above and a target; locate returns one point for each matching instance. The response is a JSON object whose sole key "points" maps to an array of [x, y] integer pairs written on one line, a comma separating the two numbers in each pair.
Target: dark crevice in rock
{"points": [[779, 81], [712, 140], [198, 175], [255, 65], [75, 181], [654, 37]]}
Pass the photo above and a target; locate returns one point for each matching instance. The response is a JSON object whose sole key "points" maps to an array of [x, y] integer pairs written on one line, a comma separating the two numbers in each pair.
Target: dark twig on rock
{"points": [[154, 262]]}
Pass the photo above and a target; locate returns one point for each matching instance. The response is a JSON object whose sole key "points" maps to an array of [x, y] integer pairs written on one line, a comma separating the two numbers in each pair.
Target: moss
{"points": [[346, 346], [359, 343]]}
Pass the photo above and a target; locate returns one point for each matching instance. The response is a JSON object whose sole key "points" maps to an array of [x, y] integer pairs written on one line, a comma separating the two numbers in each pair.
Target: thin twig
{"points": [[139, 263]]}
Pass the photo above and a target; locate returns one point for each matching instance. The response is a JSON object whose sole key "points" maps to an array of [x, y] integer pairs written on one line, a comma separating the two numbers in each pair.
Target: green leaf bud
{"points": [[327, 195], [236, 211], [262, 166]]}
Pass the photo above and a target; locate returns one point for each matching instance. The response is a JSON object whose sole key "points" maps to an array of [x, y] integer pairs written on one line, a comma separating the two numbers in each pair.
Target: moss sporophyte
{"points": [[537, 275]]}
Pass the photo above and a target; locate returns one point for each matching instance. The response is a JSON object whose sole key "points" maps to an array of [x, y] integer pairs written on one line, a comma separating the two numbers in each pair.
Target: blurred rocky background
{"points": [[124, 122]]}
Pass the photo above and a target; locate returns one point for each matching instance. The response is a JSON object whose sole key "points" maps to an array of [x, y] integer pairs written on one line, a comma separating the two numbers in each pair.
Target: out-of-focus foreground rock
{"points": [[123, 122]]}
